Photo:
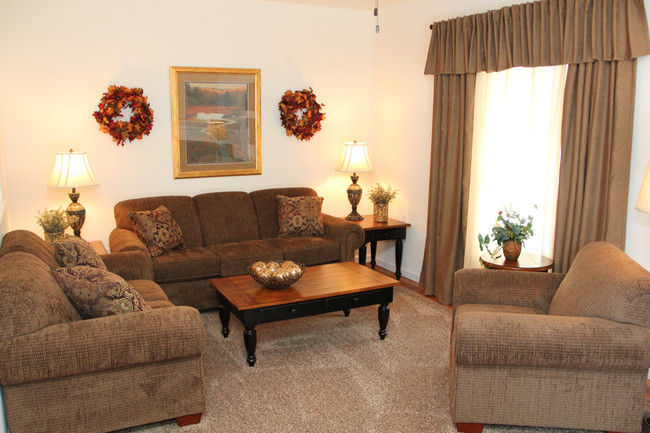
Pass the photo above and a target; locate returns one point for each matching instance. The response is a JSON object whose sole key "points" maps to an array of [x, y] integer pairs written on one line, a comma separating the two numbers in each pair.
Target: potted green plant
{"points": [[380, 197], [509, 232], [54, 223]]}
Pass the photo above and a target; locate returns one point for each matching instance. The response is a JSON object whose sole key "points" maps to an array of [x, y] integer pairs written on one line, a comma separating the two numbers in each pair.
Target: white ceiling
{"points": [[345, 4]]}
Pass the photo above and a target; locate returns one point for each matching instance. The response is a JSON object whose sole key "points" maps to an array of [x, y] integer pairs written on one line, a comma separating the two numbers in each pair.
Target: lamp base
{"points": [[76, 209], [354, 196]]}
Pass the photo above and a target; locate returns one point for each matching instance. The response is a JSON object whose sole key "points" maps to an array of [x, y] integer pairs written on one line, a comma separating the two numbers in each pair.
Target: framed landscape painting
{"points": [[216, 124]]}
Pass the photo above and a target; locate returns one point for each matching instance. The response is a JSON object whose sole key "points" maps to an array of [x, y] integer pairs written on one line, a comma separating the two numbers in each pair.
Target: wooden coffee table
{"points": [[322, 289]]}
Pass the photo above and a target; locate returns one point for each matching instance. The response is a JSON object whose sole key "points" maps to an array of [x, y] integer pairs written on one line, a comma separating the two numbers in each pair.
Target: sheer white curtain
{"points": [[516, 153]]}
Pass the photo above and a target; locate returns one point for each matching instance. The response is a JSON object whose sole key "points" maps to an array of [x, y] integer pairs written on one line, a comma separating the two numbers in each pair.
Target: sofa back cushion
{"points": [[226, 217], [30, 298], [604, 282], [266, 207], [181, 208], [28, 242]]}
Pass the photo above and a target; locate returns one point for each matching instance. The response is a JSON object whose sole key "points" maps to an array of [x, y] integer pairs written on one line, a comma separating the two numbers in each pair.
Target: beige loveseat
{"points": [[224, 233], [60, 373], [555, 350]]}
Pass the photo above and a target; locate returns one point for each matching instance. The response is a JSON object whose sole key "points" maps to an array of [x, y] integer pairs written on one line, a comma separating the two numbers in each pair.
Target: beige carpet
{"points": [[331, 373]]}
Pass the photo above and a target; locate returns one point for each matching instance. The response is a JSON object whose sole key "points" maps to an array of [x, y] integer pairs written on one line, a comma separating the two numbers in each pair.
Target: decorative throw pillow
{"points": [[300, 216], [157, 229], [97, 293], [74, 251]]}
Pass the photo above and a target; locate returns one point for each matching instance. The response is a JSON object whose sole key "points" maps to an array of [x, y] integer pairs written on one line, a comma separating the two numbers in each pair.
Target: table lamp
{"points": [[643, 202], [71, 170], [354, 160]]}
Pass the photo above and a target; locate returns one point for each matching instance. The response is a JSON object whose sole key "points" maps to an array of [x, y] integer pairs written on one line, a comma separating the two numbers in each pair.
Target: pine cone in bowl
{"points": [[276, 274]]}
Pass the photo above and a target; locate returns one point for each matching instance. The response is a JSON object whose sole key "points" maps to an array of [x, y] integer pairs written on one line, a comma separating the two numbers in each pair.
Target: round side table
{"points": [[527, 262]]}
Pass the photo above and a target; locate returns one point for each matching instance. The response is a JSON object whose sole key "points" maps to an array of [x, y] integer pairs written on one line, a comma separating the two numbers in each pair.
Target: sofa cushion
{"points": [[226, 217], [152, 293], [300, 216], [185, 264], [309, 250], [157, 229], [98, 293], [181, 207], [30, 299], [604, 282], [266, 207], [75, 251], [237, 257]]}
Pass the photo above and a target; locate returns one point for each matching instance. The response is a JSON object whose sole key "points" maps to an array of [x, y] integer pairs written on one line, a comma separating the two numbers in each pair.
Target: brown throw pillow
{"points": [[157, 229], [98, 293], [300, 216], [74, 251]]}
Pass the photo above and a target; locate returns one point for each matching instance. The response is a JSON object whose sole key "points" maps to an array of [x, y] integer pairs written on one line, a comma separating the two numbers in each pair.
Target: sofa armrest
{"points": [[349, 235], [488, 286], [87, 346], [130, 265], [125, 240], [537, 340]]}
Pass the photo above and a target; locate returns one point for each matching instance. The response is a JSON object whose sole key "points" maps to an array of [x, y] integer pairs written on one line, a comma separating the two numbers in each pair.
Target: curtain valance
{"points": [[541, 33]]}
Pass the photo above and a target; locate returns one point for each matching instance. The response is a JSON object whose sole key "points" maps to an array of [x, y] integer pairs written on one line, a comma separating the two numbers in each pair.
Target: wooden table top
{"points": [[368, 223], [317, 282], [526, 262]]}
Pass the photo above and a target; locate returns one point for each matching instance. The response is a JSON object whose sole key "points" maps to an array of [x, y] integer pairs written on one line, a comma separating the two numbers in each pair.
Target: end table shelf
{"points": [[375, 232], [527, 262]]}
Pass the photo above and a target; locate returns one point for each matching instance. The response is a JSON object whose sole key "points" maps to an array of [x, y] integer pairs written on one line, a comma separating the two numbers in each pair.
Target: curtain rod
{"points": [[431, 26]]}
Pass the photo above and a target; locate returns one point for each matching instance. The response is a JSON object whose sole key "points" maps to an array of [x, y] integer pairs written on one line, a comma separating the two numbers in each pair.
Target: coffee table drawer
{"points": [[283, 312], [356, 300]]}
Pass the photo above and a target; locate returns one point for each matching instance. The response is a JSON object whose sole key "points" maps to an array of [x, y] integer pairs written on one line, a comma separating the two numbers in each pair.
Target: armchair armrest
{"points": [[106, 343], [523, 289], [532, 340], [349, 235]]}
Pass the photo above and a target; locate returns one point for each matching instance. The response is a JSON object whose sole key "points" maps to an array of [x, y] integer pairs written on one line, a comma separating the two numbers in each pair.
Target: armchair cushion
{"points": [[300, 216], [97, 293], [603, 282], [157, 229], [74, 251]]}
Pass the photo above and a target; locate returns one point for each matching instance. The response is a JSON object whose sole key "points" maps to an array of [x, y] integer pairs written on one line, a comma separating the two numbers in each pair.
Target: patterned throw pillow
{"points": [[98, 293], [157, 229], [74, 251], [300, 216]]}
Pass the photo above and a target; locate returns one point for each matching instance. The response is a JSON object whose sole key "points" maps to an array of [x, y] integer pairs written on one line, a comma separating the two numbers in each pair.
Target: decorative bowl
{"points": [[276, 274]]}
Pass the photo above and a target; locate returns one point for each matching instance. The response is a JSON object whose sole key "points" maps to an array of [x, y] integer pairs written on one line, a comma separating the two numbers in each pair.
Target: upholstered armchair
{"points": [[555, 350]]}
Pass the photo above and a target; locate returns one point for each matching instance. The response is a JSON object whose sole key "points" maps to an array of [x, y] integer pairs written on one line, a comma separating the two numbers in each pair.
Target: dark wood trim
{"points": [[182, 421]]}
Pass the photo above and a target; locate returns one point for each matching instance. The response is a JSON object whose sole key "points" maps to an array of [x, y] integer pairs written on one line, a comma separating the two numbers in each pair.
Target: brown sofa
{"points": [[224, 233], [60, 373], [555, 350]]}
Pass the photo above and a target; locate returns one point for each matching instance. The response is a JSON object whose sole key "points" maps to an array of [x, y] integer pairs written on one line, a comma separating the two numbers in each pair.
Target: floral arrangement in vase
{"points": [[54, 223], [509, 232], [380, 197]]}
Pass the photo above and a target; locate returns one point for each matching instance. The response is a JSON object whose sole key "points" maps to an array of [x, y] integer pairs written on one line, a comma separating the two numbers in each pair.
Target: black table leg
{"points": [[373, 253], [399, 247], [383, 313], [250, 341], [224, 316], [362, 255]]}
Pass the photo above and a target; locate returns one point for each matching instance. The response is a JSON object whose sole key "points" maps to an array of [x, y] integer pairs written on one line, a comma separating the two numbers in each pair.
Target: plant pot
{"points": [[54, 237], [380, 212], [511, 250]]}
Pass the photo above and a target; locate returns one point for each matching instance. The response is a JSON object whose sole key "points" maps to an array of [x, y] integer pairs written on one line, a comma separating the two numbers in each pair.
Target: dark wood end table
{"points": [[527, 262], [322, 289], [375, 232]]}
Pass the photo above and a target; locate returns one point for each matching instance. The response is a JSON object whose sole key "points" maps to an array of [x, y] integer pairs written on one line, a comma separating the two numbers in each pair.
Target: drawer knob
{"points": [[294, 310], [355, 299]]}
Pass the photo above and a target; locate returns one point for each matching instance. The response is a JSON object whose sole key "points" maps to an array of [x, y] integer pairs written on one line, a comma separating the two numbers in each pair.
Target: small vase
{"points": [[380, 212], [52, 238], [511, 250]]}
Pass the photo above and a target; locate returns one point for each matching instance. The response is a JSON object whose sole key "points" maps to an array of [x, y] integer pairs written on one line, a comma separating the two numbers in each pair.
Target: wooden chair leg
{"points": [[464, 427], [182, 421]]}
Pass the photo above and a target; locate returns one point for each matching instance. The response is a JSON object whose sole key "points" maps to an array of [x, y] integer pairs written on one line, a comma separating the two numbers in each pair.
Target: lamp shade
{"points": [[643, 202], [354, 159], [71, 170]]}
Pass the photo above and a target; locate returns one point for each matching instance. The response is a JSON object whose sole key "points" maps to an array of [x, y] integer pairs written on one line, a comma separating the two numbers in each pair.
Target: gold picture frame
{"points": [[216, 122]]}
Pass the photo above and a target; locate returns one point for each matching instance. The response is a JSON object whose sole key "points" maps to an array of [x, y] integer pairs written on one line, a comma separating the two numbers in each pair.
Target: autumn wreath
{"points": [[110, 108], [300, 113]]}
